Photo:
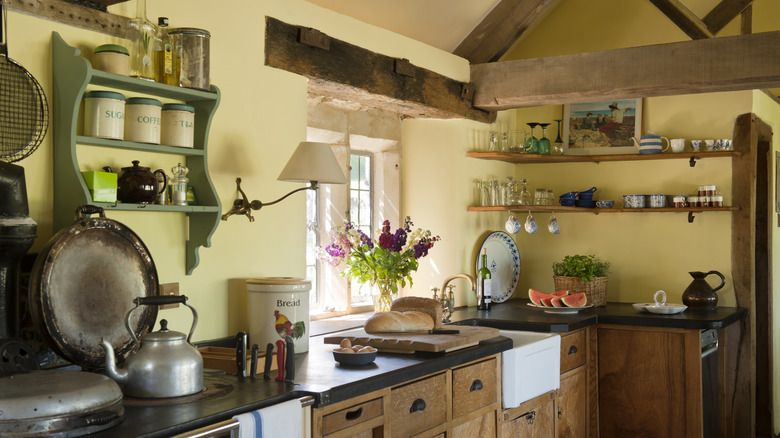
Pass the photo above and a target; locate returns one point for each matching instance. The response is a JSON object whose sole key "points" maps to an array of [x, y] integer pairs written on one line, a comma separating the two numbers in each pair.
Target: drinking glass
{"points": [[544, 142], [513, 197], [532, 143], [517, 141], [525, 195], [493, 142], [557, 147]]}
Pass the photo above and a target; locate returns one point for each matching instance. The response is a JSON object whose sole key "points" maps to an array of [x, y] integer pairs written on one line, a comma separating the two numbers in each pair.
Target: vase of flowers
{"points": [[386, 263]]}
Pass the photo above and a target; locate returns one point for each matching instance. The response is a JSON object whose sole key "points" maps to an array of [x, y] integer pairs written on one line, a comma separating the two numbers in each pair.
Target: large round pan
{"points": [[83, 284]]}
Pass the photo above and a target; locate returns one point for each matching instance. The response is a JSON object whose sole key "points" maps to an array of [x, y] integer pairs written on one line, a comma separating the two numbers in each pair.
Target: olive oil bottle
{"points": [[164, 71]]}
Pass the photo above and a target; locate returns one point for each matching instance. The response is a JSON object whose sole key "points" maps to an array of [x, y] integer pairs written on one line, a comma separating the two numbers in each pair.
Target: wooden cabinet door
{"points": [[572, 405], [482, 427], [537, 422], [649, 382]]}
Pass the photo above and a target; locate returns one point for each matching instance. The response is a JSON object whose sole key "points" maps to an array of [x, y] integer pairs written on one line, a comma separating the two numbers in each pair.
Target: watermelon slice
{"points": [[560, 293], [557, 301], [547, 301], [537, 296], [575, 300]]}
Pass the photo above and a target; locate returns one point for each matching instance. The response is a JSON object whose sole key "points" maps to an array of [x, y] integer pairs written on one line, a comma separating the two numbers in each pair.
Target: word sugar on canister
{"points": [[279, 309]]}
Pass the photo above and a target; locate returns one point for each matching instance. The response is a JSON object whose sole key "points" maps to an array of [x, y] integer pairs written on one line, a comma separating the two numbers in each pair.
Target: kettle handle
{"points": [[722, 279], [157, 301]]}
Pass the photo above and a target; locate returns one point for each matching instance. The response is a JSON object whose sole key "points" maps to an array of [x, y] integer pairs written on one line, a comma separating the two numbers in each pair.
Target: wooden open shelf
{"points": [[516, 158], [562, 209]]}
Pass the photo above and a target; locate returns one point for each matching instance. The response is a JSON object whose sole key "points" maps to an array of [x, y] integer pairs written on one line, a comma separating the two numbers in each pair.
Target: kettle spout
{"points": [[118, 375]]}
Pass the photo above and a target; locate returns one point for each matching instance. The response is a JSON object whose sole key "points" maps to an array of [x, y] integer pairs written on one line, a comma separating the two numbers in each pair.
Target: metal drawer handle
{"points": [[476, 385], [573, 350], [354, 415], [417, 405]]}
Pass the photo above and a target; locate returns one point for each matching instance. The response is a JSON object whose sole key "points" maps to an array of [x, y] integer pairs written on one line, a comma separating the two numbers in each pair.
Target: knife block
{"points": [[224, 359]]}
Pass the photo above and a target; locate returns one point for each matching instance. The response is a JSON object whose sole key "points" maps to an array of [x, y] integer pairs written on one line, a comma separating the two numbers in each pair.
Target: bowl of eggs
{"points": [[355, 355]]}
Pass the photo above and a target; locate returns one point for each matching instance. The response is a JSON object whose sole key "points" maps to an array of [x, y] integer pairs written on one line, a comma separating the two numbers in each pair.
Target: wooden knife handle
{"points": [[280, 360]]}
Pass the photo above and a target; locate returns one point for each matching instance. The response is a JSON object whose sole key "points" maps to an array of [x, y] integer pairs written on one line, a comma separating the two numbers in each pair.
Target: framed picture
{"points": [[602, 128]]}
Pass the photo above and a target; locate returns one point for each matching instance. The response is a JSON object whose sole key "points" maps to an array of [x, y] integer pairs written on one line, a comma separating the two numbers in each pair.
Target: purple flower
{"points": [[422, 247], [400, 239], [365, 240], [386, 240], [335, 250]]}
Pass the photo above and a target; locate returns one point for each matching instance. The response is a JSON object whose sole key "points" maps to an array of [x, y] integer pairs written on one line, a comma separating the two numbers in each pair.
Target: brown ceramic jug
{"points": [[138, 184], [699, 294]]}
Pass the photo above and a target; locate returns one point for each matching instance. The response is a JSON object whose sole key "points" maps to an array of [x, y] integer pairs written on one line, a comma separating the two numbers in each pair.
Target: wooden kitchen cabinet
{"points": [[72, 75], [534, 418], [460, 402], [650, 381]]}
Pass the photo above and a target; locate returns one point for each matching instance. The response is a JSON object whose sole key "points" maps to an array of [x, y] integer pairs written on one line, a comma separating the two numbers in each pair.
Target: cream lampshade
{"points": [[313, 161]]}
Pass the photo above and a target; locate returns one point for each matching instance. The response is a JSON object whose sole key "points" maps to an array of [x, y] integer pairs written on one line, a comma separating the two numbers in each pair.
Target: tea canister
{"points": [[191, 57], [112, 58], [143, 120], [178, 125], [104, 113]]}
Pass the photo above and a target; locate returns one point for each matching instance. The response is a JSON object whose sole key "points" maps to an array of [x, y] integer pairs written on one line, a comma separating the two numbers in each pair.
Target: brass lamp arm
{"points": [[245, 207]]}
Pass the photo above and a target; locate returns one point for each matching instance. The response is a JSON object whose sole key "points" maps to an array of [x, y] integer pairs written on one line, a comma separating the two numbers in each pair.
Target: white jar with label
{"points": [[178, 125], [143, 120], [278, 309], [104, 114]]}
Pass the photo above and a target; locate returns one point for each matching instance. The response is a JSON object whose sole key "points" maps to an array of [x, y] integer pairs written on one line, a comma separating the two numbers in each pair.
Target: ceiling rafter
{"points": [[502, 26], [684, 18], [723, 13]]}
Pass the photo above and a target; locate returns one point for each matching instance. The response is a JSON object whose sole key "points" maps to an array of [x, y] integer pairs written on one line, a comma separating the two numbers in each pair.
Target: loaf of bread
{"points": [[398, 322], [420, 304]]}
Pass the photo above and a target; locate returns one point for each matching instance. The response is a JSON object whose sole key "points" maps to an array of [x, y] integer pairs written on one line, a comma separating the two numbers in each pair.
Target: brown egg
{"points": [[367, 349], [357, 347], [344, 350], [345, 343]]}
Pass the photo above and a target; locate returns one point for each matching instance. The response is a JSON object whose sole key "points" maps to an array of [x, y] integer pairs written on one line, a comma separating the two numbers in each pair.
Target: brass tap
{"points": [[448, 301]]}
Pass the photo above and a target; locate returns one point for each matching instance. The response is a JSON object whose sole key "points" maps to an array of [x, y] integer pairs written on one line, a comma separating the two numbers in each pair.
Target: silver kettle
{"points": [[165, 365]]}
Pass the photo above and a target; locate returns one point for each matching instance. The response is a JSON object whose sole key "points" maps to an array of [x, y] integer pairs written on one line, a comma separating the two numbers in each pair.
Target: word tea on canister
{"points": [[143, 120], [104, 114], [178, 125], [278, 309]]}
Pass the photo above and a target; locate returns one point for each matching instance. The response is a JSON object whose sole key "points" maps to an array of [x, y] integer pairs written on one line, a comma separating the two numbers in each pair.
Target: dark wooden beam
{"points": [[492, 37], [686, 20], [350, 72], [723, 13], [74, 15], [743, 62], [746, 21]]}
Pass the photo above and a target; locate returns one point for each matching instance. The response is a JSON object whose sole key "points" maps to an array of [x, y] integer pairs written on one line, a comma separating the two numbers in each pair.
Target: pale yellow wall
{"points": [[261, 119]]}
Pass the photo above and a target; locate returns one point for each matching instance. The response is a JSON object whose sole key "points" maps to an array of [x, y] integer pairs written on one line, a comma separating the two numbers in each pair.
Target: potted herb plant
{"points": [[583, 273]]}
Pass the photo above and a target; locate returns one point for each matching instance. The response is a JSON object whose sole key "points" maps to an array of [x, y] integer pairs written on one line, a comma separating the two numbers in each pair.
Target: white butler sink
{"points": [[531, 368]]}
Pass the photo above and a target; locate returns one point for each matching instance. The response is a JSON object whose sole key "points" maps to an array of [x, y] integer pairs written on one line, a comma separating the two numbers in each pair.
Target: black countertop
{"points": [[518, 315], [318, 375]]}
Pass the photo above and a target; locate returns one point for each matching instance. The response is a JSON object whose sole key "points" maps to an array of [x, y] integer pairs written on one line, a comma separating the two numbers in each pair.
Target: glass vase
{"points": [[385, 297], [141, 34]]}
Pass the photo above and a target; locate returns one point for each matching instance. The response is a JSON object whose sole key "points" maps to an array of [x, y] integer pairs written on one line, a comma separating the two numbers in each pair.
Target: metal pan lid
{"points": [[83, 285]]}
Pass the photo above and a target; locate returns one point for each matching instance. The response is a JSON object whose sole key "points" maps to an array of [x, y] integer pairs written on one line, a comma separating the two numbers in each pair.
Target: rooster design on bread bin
{"points": [[286, 328]]}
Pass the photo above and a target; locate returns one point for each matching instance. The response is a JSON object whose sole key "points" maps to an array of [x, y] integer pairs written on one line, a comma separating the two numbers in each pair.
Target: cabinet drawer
{"points": [[473, 387], [573, 350], [352, 415], [418, 406]]}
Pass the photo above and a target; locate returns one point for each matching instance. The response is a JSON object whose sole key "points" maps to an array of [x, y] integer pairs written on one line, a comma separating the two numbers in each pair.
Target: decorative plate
{"points": [[559, 310], [666, 309], [503, 262]]}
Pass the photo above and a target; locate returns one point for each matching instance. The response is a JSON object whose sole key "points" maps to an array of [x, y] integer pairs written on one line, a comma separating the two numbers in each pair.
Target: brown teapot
{"points": [[699, 294], [138, 184]]}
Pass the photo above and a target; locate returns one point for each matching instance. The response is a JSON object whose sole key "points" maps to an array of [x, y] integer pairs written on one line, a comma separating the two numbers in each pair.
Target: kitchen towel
{"points": [[283, 420]]}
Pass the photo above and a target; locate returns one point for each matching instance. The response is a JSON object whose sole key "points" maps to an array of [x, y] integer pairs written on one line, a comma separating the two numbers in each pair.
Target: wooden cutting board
{"points": [[411, 342]]}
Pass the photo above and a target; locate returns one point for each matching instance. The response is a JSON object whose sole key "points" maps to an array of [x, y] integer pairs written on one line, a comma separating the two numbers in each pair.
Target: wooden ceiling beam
{"points": [[73, 15], [686, 20], [344, 71], [743, 62], [723, 13], [496, 33]]}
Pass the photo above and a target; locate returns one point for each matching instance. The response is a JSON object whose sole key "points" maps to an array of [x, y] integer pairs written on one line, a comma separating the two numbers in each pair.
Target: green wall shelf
{"points": [[71, 74]]}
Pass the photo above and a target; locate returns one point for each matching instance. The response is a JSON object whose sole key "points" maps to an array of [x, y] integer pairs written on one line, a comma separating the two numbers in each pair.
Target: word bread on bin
{"points": [[421, 304], [399, 322]]}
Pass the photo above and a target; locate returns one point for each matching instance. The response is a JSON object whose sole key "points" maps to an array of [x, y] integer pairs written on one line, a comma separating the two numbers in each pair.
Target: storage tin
{"points": [[192, 57], [278, 308], [112, 58], [178, 125], [104, 114], [143, 120]]}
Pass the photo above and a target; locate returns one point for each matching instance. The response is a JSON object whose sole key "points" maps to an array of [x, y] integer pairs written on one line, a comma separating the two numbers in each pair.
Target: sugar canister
{"points": [[104, 113]]}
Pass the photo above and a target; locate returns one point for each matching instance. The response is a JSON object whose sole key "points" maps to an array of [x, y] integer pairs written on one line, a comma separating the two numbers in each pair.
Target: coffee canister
{"points": [[112, 58], [143, 120], [104, 114], [278, 309], [191, 57], [178, 125]]}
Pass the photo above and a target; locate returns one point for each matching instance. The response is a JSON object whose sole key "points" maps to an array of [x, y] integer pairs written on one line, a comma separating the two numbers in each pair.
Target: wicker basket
{"points": [[595, 290]]}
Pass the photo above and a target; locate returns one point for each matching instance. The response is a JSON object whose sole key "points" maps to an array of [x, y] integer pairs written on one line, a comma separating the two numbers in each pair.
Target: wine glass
{"points": [[557, 147], [544, 142], [532, 143], [493, 143], [513, 197], [525, 195]]}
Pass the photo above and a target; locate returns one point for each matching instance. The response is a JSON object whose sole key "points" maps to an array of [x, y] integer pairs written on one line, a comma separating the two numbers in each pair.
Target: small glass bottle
{"points": [[179, 185], [163, 54], [141, 35], [484, 289]]}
